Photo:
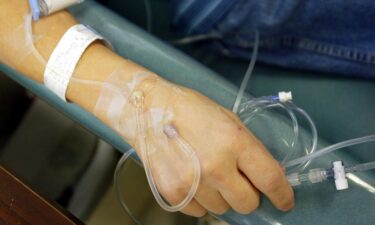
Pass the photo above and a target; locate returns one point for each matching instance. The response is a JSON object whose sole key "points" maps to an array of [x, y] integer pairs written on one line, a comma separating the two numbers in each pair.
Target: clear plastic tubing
{"points": [[318, 175], [329, 149], [361, 167], [246, 111], [144, 146], [296, 166], [248, 73], [116, 184], [250, 108]]}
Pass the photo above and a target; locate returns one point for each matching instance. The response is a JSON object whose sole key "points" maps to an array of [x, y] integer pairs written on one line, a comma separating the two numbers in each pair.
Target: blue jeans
{"points": [[331, 36]]}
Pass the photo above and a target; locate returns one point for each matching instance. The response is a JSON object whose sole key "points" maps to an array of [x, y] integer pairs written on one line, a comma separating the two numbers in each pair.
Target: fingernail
{"points": [[288, 206]]}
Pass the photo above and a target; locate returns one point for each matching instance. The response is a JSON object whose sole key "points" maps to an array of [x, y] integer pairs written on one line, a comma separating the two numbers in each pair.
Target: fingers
{"points": [[267, 176], [239, 193], [174, 196], [211, 199], [264, 171], [194, 209], [235, 192]]}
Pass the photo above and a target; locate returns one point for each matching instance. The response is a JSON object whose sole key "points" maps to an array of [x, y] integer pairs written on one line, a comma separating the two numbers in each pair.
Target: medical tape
{"points": [[42, 8], [65, 57]]}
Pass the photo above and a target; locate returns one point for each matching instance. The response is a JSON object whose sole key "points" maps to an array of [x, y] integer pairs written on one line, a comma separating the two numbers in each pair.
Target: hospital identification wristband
{"points": [[65, 57]]}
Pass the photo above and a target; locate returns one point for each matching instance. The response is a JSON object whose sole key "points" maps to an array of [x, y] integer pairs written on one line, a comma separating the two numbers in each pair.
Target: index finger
{"points": [[266, 175]]}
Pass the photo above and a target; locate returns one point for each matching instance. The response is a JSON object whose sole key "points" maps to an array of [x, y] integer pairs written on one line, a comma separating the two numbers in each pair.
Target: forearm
{"points": [[97, 63]]}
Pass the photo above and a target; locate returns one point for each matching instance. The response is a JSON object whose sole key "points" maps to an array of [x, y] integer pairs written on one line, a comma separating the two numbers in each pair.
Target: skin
{"points": [[235, 166]]}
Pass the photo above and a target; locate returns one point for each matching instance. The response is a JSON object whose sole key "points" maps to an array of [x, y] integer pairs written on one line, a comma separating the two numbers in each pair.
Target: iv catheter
{"points": [[144, 145]]}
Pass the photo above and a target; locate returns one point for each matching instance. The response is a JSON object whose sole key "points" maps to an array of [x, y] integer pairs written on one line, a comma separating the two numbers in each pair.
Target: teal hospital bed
{"points": [[341, 107]]}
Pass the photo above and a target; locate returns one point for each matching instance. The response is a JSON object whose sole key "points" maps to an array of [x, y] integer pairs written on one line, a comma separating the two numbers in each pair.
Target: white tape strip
{"points": [[64, 58]]}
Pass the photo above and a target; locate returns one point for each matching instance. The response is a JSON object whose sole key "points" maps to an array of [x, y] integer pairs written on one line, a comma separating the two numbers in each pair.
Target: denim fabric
{"points": [[332, 36]]}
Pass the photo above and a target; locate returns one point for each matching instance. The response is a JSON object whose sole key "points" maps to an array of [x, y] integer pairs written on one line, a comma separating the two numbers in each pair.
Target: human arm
{"points": [[225, 148]]}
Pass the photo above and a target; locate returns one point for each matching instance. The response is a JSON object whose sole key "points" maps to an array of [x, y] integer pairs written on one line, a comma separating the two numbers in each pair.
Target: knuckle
{"points": [[211, 170], [168, 194], [236, 132], [237, 141], [175, 192], [232, 115], [182, 187]]}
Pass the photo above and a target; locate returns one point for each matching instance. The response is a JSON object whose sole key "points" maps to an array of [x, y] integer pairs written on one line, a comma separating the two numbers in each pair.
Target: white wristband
{"points": [[64, 58]]}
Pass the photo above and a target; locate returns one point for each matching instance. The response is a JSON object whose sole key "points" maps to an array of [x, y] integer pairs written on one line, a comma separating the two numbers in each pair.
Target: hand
{"points": [[235, 166]]}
